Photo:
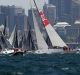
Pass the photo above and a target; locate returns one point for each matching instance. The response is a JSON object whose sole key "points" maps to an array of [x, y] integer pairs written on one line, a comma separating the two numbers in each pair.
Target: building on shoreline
{"points": [[14, 16], [67, 10]]}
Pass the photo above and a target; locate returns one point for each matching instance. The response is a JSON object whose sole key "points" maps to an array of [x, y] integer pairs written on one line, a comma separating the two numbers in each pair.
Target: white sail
{"points": [[40, 40], [1, 28], [12, 36], [53, 35]]}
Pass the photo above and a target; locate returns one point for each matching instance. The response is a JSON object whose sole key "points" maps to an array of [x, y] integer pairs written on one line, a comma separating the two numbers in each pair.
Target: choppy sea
{"points": [[45, 64]]}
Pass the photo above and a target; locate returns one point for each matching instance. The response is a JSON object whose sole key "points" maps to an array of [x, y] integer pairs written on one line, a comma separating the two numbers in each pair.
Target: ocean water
{"points": [[46, 64]]}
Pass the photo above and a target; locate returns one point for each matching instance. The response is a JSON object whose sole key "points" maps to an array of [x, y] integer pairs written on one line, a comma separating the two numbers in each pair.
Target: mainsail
{"points": [[53, 35], [4, 42], [40, 40], [6, 28], [15, 41]]}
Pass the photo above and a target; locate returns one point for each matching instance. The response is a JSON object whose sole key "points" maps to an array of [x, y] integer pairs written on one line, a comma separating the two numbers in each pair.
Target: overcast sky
{"points": [[23, 3]]}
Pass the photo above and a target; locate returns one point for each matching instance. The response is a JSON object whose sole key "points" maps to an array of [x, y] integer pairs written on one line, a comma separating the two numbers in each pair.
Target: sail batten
{"points": [[40, 40]]}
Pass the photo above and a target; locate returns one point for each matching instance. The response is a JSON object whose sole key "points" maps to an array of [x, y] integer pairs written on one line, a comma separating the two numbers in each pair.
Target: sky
{"points": [[26, 4]]}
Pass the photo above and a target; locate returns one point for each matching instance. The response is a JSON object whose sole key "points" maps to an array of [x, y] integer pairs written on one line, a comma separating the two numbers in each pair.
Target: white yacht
{"points": [[53, 36]]}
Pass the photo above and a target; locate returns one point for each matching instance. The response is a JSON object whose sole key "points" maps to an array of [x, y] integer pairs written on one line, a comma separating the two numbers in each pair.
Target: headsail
{"points": [[53, 35], [12, 36], [40, 40]]}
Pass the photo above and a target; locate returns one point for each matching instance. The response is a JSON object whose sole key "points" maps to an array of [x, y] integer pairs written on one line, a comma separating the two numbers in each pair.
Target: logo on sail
{"points": [[44, 19]]}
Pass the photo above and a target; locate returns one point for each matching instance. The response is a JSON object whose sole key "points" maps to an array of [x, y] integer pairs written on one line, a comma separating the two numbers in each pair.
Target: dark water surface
{"points": [[31, 64]]}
